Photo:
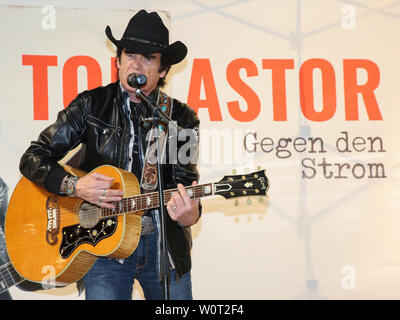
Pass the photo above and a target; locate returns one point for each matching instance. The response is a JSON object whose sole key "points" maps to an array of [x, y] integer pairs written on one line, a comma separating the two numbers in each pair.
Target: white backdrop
{"points": [[321, 73]]}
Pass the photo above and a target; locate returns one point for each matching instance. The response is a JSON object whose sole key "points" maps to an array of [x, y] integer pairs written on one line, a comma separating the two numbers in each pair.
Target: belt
{"points": [[147, 225]]}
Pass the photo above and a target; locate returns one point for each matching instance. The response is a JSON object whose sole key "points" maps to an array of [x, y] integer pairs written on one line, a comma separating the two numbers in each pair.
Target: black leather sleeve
{"points": [[39, 163]]}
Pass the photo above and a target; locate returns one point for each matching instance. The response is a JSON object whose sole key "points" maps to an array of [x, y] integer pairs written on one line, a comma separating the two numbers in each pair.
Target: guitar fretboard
{"points": [[8, 277], [151, 200]]}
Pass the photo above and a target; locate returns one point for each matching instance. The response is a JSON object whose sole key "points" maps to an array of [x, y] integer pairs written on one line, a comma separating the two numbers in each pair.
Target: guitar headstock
{"points": [[243, 185]]}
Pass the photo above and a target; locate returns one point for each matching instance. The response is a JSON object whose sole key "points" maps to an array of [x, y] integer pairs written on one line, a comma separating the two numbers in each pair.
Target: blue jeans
{"points": [[109, 279]]}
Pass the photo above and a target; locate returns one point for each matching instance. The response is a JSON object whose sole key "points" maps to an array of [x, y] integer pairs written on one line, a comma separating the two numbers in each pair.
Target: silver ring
{"points": [[103, 193], [173, 208]]}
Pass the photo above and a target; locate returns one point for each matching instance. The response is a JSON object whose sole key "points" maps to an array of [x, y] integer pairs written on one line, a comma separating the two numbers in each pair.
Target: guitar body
{"points": [[55, 238]]}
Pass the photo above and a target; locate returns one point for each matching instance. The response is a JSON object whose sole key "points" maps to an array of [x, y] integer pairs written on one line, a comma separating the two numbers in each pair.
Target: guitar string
{"points": [[141, 201], [140, 198], [32, 244], [149, 198], [75, 219], [143, 198], [154, 195]]}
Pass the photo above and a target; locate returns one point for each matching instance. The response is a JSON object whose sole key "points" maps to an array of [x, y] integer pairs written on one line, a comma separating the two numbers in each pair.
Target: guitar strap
{"points": [[149, 174]]}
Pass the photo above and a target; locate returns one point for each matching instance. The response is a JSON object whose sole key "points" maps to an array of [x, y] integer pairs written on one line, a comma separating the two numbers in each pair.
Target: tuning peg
{"points": [[246, 170], [248, 201], [258, 168], [234, 171], [261, 200], [236, 203], [249, 218]]}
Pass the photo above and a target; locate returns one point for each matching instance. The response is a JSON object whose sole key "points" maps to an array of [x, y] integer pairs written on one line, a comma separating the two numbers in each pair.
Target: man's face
{"points": [[136, 63]]}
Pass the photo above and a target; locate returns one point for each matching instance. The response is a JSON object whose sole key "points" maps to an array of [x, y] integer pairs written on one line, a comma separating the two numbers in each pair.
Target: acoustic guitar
{"points": [[49, 235]]}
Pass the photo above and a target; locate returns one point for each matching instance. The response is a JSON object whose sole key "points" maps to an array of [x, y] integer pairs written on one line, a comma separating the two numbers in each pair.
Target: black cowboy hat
{"points": [[146, 34]]}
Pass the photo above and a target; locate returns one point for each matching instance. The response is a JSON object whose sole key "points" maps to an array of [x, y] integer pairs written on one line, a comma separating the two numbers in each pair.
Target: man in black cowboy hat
{"points": [[105, 121]]}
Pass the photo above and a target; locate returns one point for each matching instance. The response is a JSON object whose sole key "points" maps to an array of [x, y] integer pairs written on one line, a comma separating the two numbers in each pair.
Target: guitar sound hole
{"points": [[89, 215]]}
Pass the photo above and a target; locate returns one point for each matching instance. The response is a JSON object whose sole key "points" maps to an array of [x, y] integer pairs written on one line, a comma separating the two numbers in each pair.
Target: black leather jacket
{"points": [[96, 120]]}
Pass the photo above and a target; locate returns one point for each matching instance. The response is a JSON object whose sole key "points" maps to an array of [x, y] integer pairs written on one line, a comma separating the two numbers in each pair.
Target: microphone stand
{"points": [[158, 116]]}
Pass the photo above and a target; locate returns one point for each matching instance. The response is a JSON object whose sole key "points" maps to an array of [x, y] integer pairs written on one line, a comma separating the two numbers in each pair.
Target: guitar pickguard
{"points": [[75, 235]]}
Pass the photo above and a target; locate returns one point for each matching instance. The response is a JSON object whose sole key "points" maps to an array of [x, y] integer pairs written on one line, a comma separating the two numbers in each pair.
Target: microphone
{"points": [[137, 80]]}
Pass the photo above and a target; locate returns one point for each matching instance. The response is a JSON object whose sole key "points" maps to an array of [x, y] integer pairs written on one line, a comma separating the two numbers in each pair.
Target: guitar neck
{"points": [[8, 277], [151, 200]]}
